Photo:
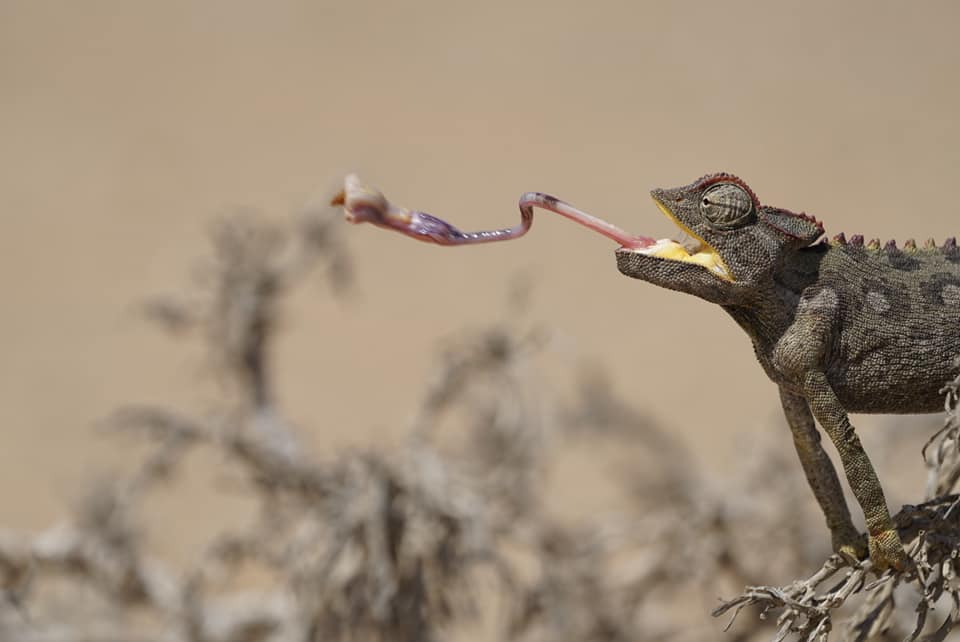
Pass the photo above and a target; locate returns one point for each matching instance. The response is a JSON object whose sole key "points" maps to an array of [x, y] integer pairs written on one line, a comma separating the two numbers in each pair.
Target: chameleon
{"points": [[839, 326]]}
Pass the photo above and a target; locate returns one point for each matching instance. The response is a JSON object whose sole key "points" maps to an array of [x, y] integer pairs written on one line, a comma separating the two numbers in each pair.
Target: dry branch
{"points": [[931, 533]]}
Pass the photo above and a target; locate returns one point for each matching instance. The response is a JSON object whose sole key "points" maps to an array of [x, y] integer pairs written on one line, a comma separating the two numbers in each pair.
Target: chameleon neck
{"points": [[771, 306]]}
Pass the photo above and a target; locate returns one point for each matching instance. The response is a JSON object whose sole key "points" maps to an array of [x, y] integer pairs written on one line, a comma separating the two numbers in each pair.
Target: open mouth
{"points": [[690, 249]]}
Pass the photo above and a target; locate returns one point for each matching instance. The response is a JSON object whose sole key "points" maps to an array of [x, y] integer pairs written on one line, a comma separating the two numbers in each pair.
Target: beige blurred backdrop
{"points": [[125, 127]]}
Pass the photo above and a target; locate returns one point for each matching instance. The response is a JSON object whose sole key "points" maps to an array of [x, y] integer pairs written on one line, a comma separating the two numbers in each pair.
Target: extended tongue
{"points": [[362, 204]]}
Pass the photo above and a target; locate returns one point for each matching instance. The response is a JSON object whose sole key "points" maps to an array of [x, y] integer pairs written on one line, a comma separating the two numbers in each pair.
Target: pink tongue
{"points": [[609, 230], [636, 242]]}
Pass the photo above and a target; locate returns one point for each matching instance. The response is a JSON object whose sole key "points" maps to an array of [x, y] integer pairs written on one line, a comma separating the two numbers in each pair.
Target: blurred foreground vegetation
{"points": [[449, 535]]}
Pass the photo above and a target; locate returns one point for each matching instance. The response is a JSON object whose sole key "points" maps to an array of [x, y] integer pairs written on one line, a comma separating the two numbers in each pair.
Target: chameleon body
{"points": [[839, 326]]}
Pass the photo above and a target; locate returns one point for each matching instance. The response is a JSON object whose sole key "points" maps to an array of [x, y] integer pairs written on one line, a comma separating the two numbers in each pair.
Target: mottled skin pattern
{"points": [[839, 326]]}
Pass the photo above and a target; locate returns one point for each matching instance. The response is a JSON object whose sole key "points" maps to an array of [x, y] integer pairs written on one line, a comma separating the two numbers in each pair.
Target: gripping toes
{"points": [[886, 551], [853, 545]]}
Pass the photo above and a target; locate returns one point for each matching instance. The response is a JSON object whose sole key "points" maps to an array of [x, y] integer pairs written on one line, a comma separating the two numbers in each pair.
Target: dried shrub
{"points": [[409, 544]]}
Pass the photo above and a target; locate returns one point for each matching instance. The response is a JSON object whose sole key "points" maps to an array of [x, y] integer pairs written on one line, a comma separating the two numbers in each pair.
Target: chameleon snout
{"points": [[663, 196]]}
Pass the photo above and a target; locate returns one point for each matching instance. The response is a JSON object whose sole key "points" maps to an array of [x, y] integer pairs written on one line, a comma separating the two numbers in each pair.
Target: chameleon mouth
{"points": [[693, 249]]}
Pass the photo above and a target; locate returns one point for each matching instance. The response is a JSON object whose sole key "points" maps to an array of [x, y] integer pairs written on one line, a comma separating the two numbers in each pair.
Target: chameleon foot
{"points": [[886, 551], [852, 545]]}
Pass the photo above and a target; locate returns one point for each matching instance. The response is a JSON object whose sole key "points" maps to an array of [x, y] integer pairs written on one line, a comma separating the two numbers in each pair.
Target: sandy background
{"points": [[125, 127]]}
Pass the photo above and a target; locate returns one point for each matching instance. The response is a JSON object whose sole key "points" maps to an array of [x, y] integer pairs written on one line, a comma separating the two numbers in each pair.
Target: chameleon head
{"points": [[733, 240]]}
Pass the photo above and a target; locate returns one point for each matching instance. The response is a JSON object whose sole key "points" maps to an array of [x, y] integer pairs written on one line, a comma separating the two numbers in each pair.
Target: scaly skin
{"points": [[839, 327]]}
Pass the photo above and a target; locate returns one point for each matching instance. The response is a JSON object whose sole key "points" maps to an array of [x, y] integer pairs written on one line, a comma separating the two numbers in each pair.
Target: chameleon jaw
{"points": [[702, 253]]}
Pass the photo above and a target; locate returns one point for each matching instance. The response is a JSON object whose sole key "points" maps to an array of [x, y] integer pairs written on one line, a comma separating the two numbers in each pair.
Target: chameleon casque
{"points": [[839, 326]]}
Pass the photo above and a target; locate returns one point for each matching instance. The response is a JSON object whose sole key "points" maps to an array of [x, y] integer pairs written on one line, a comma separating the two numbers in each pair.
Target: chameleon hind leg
{"points": [[800, 356], [886, 550], [822, 476]]}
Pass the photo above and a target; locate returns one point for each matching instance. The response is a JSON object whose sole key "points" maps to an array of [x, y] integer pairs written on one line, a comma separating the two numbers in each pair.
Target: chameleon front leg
{"points": [[821, 475], [883, 541], [801, 356]]}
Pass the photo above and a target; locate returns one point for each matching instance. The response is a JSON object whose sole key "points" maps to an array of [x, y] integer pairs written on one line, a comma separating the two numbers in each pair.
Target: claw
{"points": [[886, 551]]}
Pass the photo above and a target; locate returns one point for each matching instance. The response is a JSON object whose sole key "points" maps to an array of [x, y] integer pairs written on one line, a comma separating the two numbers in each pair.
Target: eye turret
{"points": [[727, 206]]}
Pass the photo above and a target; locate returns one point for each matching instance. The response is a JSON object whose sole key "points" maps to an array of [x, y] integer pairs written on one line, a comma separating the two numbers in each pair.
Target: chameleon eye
{"points": [[727, 206]]}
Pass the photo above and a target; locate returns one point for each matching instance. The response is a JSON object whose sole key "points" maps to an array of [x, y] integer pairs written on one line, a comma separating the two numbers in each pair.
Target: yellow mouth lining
{"points": [[668, 249]]}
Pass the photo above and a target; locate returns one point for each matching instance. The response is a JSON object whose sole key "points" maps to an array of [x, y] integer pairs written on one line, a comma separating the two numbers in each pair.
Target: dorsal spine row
{"points": [[890, 247]]}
